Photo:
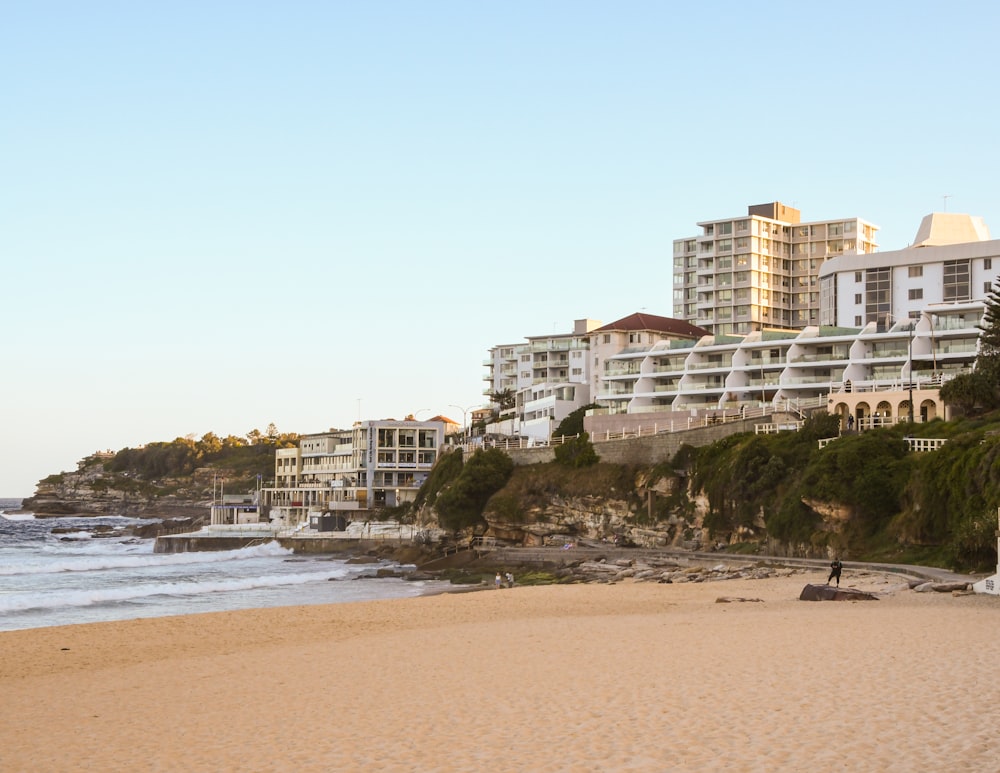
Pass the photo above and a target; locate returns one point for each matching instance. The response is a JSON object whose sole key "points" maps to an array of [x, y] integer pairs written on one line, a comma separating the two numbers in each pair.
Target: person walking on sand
{"points": [[835, 568]]}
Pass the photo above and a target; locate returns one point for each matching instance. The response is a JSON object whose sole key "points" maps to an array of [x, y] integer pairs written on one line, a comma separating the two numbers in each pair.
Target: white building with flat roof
{"points": [[375, 464], [951, 261], [760, 270]]}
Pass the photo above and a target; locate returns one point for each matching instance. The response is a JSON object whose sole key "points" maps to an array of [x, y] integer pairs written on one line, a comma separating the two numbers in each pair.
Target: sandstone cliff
{"points": [[93, 491]]}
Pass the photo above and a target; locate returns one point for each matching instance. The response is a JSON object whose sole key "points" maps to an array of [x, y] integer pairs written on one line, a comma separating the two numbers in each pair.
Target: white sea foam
{"points": [[17, 516], [21, 602], [137, 561]]}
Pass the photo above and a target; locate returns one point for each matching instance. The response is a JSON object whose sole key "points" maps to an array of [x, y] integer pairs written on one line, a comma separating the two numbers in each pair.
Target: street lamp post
{"points": [[464, 411]]}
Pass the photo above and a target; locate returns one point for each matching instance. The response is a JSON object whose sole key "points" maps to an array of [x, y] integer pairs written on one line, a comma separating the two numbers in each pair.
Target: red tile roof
{"points": [[638, 321]]}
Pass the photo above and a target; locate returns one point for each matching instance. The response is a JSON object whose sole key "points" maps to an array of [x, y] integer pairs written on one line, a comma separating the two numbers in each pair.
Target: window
{"points": [[857, 322], [857, 299], [915, 271], [607, 338], [987, 288], [956, 280], [857, 276], [725, 228], [987, 263], [878, 293], [916, 294]]}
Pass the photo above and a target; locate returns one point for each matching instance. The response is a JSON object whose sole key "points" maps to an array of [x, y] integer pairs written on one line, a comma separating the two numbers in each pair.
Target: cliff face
{"points": [[545, 505], [93, 491]]}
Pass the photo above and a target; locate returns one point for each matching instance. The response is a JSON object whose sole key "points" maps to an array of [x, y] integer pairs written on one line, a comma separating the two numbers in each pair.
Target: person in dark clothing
{"points": [[835, 568]]}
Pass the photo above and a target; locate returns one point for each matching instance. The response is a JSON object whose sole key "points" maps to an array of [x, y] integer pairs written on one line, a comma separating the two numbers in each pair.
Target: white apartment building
{"points": [[951, 261], [772, 366], [552, 376], [374, 464], [747, 273], [549, 376]]}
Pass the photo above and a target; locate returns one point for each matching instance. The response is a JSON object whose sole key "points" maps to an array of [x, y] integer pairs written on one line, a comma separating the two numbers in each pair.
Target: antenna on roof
{"points": [[946, 197]]}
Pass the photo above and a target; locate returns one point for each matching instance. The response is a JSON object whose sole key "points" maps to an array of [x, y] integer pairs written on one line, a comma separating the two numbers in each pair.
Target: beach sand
{"points": [[622, 677]]}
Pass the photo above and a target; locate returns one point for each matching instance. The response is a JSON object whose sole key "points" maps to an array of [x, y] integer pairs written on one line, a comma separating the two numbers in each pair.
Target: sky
{"points": [[215, 216]]}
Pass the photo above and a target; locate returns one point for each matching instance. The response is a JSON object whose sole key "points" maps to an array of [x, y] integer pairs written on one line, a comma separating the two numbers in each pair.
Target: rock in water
{"points": [[830, 593]]}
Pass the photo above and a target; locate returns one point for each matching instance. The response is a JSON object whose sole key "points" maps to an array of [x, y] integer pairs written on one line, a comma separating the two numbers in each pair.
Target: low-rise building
{"points": [[349, 473]]}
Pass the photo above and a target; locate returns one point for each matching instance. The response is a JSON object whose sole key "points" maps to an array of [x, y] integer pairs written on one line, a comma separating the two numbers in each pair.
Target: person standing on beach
{"points": [[498, 582], [835, 568]]}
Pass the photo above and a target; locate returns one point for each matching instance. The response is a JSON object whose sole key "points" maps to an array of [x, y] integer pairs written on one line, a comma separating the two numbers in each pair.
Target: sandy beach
{"points": [[623, 677]]}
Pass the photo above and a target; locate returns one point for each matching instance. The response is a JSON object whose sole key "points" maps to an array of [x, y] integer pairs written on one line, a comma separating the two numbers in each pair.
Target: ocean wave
{"points": [[138, 561], [24, 602], [17, 516]]}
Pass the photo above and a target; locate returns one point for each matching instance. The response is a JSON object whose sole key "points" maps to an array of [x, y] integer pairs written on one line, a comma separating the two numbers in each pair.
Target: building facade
{"points": [[951, 261], [761, 270], [374, 464], [773, 366], [557, 375]]}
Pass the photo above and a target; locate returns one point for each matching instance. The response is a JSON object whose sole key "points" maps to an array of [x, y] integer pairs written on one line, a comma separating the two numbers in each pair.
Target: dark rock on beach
{"points": [[831, 593]]}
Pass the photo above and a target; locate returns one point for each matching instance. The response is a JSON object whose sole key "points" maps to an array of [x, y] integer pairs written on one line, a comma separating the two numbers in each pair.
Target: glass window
{"points": [[915, 271], [956, 280], [878, 293]]}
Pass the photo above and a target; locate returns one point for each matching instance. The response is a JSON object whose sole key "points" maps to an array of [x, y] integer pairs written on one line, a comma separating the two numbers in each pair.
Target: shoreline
{"points": [[604, 676]]}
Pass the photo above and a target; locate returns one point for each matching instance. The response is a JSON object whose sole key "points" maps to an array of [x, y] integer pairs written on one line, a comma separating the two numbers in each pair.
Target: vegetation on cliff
{"points": [[863, 495], [136, 477], [461, 504], [244, 460]]}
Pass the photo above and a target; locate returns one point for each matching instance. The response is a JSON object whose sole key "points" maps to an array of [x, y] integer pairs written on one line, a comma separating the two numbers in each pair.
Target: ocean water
{"points": [[67, 578]]}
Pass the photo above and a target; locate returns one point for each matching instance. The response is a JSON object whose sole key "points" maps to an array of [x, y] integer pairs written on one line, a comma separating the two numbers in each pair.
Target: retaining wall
{"points": [[652, 449]]}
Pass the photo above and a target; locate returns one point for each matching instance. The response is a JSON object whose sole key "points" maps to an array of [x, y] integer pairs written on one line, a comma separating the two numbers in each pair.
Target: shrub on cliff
{"points": [[447, 468], [951, 497], [461, 504], [577, 452]]}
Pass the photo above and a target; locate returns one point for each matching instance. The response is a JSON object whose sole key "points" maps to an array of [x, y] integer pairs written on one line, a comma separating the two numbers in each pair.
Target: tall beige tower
{"points": [[760, 271]]}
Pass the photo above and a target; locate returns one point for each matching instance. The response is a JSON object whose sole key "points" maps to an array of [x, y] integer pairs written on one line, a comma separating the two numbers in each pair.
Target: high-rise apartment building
{"points": [[743, 274]]}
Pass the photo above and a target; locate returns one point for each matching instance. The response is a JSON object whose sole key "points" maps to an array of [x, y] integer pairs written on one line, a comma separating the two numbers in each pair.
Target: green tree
{"points": [[972, 393], [573, 424], [461, 504], [577, 452], [989, 338]]}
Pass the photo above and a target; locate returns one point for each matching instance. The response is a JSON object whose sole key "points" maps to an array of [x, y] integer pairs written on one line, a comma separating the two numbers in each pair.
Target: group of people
{"points": [[501, 579]]}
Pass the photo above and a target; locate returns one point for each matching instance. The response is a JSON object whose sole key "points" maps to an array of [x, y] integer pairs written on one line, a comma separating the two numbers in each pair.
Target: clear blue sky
{"points": [[217, 215]]}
